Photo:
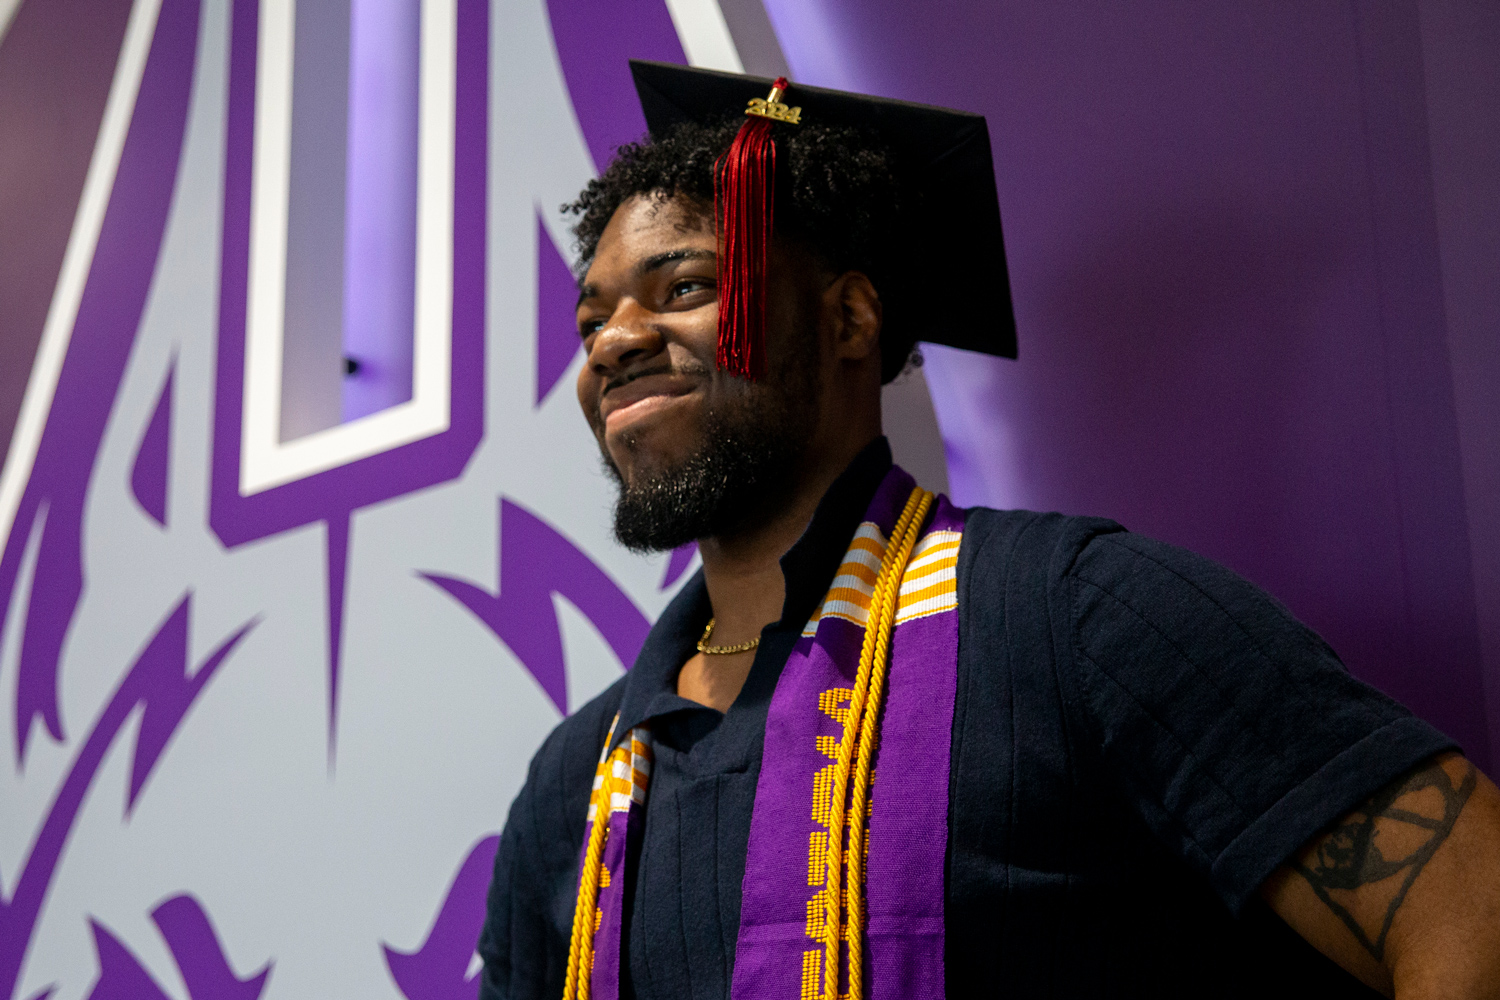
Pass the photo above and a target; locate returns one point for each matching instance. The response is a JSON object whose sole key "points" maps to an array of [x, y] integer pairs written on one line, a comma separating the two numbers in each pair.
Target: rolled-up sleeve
{"points": [[1235, 729]]}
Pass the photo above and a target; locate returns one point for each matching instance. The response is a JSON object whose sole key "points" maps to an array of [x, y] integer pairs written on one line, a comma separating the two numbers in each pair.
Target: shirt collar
{"points": [[808, 567]]}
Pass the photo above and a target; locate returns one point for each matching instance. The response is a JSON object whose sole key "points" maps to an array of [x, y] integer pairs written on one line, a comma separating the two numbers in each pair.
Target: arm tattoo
{"points": [[1349, 857]]}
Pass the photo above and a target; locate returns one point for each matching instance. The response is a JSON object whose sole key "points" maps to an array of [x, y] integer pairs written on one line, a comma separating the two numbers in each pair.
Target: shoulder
{"points": [[570, 752], [1095, 579], [994, 540], [1140, 608], [1133, 621], [546, 822], [1015, 561], [528, 908], [1173, 587]]}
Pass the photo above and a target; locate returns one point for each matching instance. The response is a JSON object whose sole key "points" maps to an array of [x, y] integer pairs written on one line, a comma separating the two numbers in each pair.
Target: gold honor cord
{"points": [[862, 724], [581, 949]]}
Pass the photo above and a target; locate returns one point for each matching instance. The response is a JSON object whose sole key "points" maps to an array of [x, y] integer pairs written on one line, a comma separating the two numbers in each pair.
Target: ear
{"points": [[854, 309]]}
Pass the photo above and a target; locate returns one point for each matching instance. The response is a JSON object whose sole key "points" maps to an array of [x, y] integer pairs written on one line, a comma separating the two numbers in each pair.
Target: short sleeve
{"points": [[1232, 728]]}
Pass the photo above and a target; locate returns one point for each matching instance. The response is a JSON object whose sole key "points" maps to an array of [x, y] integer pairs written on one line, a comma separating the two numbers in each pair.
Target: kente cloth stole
{"points": [[620, 795], [782, 943]]}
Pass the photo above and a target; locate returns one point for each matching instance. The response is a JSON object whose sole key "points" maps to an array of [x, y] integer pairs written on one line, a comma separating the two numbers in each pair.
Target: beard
{"points": [[737, 478]]}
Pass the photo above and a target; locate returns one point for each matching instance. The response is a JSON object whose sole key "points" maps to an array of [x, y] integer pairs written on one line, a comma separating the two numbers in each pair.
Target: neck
{"points": [[743, 571], [745, 585]]}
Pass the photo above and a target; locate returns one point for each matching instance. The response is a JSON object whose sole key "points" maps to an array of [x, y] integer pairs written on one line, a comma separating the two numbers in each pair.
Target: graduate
{"points": [[880, 746]]}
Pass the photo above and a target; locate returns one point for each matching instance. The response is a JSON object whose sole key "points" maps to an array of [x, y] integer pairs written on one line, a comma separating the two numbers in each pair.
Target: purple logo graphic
{"points": [[160, 683], [556, 301], [103, 333], [149, 473], [536, 561], [195, 948], [677, 565], [594, 44], [439, 970]]}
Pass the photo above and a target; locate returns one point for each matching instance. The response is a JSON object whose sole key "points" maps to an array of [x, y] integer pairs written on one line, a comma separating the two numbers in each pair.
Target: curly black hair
{"points": [[838, 193]]}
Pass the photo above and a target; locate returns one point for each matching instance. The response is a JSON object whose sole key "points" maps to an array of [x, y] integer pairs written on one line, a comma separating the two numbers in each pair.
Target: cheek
{"points": [[795, 324], [697, 334], [587, 387]]}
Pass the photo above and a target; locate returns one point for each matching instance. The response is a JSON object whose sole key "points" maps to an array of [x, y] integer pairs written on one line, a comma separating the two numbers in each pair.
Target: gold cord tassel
{"points": [[581, 949], [847, 864]]}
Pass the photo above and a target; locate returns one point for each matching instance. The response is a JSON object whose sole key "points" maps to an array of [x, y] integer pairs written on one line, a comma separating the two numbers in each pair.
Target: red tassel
{"points": [[744, 205]]}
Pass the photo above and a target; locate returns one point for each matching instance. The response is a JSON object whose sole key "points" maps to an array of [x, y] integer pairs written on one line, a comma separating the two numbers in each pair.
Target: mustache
{"points": [[691, 367]]}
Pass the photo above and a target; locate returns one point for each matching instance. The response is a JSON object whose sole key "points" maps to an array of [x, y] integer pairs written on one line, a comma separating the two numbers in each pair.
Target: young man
{"points": [[880, 746]]}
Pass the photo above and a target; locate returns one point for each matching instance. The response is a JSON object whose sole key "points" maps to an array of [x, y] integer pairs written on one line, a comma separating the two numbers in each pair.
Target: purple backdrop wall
{"points": [[1230, 290]]}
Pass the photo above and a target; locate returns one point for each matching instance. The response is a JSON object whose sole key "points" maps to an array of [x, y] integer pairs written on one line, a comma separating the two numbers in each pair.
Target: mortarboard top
{"points": [[943, 155]]}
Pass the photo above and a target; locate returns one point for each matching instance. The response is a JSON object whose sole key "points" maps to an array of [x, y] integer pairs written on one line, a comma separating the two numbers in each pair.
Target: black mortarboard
{"points": [[943, 155]]}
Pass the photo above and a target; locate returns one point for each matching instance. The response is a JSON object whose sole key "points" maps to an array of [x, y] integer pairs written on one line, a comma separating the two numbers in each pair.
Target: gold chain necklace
{"points": [[739, 647]]}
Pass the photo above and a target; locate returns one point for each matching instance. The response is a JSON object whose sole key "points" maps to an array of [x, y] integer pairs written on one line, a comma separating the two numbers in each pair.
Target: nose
{"points": [[629, 336]]}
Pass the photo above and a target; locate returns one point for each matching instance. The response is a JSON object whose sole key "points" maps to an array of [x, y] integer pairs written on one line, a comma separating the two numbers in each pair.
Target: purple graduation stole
{"points": [[780, 954], [783, 938]]}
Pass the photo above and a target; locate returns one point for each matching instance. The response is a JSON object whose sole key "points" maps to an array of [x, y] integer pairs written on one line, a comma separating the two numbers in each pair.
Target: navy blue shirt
{"points": [[1140, 738]]}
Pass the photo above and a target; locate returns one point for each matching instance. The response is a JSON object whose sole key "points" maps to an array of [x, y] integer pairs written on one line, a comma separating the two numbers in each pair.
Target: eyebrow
{"points": [[655, 262]]}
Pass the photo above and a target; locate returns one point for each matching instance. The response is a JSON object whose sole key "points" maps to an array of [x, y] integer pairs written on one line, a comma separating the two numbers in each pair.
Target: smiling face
{"points": [[648, 313], [697, 452]]}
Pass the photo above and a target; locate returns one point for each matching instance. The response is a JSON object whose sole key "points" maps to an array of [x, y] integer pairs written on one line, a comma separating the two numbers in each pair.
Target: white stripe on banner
{"points": [[265, 460], [8, 10], [77, 259], [704, 35]]}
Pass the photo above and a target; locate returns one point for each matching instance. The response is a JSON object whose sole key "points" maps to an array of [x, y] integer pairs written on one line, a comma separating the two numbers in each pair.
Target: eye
{"points": [[687, 287], [589, 327]]}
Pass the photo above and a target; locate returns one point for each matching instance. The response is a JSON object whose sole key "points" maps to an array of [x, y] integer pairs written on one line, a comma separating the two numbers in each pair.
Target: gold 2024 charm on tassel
{"points": [[772, 108]]}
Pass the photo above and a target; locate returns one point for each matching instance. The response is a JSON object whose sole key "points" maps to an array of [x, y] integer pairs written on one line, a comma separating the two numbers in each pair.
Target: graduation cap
{"points": [[942, 155]]}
